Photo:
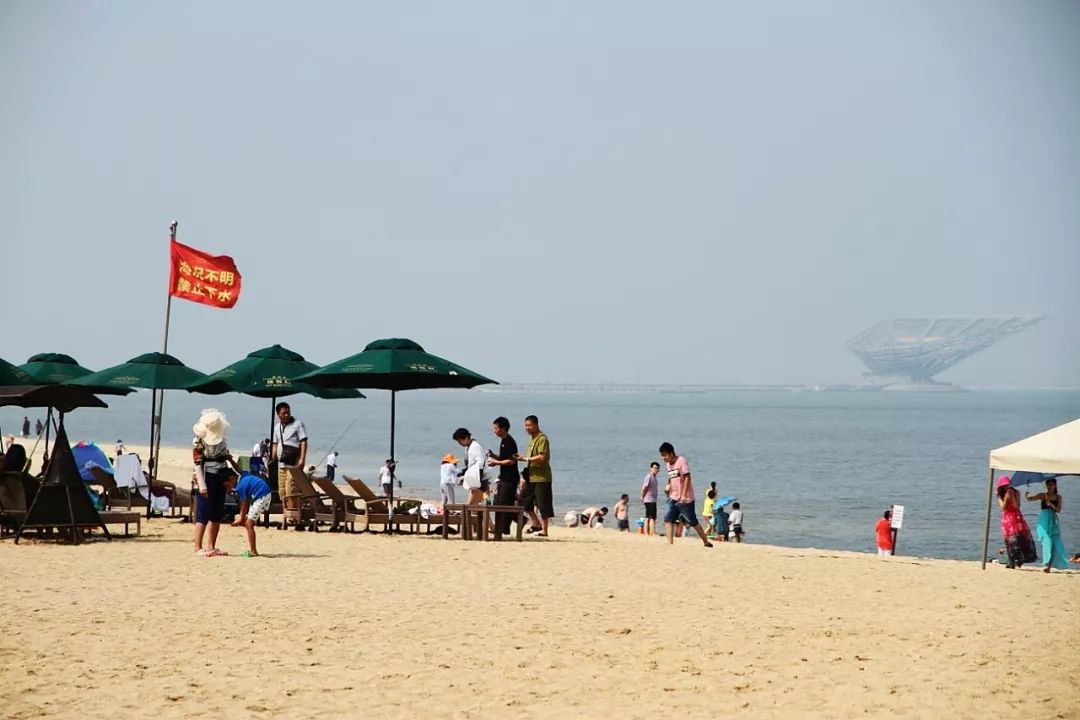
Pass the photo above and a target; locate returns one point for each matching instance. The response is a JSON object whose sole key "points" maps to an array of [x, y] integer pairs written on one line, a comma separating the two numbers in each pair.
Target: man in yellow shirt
{"points": [[538, 462]]}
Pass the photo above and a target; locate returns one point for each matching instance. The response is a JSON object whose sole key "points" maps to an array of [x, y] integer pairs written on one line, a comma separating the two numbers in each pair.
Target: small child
{"points": [[254, 496], [736, 522], [707, 509], [720, 522], [622, 513]]}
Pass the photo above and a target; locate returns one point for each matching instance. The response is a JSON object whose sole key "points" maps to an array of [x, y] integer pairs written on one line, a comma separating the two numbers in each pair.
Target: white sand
{"points": [[584, 624]]}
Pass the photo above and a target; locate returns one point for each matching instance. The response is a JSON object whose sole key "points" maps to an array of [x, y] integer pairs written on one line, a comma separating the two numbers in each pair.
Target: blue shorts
{"points": [[675, 510], [212, 507]]}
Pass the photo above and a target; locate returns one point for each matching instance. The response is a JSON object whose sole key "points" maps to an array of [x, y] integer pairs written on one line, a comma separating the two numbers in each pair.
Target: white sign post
{"points": [[896, 522]]}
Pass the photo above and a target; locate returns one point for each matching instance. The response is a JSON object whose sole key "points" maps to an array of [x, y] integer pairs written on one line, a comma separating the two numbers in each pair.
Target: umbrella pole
{"points": [[393, 463], [986, 525], [266, 464]]}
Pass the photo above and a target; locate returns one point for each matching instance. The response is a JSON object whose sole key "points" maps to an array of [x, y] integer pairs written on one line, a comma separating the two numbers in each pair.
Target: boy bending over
{"points": [[254, 496]]}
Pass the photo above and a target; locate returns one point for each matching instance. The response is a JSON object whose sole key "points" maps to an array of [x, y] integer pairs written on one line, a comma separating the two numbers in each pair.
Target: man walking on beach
{"points": [[506, 461], [681, 500], [648, 497], [538, 463], [25, 426]]}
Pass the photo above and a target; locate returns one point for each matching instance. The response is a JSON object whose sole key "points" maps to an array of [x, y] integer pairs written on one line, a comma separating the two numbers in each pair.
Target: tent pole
{"points": [[986, 525]]}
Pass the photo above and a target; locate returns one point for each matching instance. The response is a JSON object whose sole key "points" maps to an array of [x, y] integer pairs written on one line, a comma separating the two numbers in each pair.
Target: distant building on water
{"points": [[906, 353]]}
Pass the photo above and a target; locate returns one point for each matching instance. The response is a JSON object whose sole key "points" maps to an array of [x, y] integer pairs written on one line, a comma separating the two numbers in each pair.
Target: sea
{"points": [[810, 469]]}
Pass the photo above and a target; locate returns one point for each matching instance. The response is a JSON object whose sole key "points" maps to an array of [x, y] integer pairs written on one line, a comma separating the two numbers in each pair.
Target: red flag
{"points": [[203, 278]]}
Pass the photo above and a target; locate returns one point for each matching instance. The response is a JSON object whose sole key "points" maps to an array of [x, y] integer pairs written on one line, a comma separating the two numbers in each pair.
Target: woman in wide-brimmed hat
{"points": [[212, 458]]}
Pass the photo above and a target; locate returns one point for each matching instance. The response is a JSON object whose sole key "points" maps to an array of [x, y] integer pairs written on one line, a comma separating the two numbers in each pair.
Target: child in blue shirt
{"points": [[254, 496]]}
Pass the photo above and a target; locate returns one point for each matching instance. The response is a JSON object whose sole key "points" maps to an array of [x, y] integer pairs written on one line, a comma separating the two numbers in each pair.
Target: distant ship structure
{"points": [[906, 353]]}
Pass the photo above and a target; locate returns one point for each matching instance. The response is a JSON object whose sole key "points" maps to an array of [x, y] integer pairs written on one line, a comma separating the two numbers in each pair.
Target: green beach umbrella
{"points": [[13, 375], [152, 371], [268, 373], [58, 369], [53, 369], [395, 364]]}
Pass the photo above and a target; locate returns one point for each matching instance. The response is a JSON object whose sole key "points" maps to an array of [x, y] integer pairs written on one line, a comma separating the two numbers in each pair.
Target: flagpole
{"points": [[155, 437]]}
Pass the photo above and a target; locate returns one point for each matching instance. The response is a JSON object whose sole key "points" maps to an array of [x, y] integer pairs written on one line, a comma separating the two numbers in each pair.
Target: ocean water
{"points": [[811, 469]]}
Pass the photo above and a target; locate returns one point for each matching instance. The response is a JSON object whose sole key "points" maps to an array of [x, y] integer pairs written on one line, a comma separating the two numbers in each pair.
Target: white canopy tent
{"points": [[1055, 451]]}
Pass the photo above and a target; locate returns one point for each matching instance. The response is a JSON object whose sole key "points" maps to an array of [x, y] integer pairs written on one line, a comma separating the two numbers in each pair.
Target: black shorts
{"points": [[542, 499], [528, 497], [624, 524], [212, 507], [650, 511]]}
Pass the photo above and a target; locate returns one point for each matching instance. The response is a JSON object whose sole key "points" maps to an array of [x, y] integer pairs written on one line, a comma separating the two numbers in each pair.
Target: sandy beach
{"points": [[583, 624]]}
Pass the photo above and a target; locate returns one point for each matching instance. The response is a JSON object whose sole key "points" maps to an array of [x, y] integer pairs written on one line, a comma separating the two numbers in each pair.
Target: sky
{"points": [[605, 191]]}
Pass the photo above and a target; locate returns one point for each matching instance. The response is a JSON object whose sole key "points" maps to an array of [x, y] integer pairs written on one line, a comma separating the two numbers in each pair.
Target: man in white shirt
{"points": [[290, 450], [331, 465], [386, 477]]}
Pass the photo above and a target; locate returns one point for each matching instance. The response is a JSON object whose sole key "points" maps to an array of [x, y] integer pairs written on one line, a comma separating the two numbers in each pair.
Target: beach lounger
{"points": [[377, 510], [128, 499], [314, 506], [350, 508]]}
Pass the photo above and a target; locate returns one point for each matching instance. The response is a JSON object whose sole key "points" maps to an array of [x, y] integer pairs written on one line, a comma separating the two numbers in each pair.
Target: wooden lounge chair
{"points": [[377, 508], [117, 497], [350, 508], [314, 507]]}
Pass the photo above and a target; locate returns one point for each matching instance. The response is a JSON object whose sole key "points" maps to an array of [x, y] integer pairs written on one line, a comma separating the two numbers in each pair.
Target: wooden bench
{"points": [[484, 516]]}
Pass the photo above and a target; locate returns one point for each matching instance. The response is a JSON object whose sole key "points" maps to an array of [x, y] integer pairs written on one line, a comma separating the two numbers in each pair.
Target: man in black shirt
{"points": [[508, 470]]}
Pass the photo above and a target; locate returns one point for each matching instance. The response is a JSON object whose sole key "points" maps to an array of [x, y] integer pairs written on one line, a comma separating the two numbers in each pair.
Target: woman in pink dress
{"points": [[1018, 543]]}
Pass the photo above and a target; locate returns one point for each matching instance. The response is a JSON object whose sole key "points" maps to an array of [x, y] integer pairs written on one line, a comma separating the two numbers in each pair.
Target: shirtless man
{"points": [[622, 513]]}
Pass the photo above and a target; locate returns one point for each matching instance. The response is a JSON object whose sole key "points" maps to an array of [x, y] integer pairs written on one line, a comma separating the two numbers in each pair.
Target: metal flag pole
{"points": [[157, 408]]}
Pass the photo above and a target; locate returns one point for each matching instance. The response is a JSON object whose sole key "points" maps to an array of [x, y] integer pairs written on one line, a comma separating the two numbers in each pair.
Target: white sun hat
{"points": [[211, 427]]}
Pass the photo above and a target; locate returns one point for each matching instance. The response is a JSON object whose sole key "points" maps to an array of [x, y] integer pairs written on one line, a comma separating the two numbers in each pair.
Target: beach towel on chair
{"points": [[129, 472]]}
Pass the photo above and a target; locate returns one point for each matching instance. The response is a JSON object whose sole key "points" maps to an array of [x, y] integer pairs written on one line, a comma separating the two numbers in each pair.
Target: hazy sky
{"points": [[623, 191]]}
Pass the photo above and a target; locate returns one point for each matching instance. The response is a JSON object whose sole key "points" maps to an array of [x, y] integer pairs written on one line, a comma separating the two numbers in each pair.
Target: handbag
{"points": [[472, 477], [290, 454]]}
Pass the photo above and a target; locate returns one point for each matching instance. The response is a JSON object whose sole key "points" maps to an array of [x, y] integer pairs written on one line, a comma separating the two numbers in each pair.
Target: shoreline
{"points": [[175, 467]]}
